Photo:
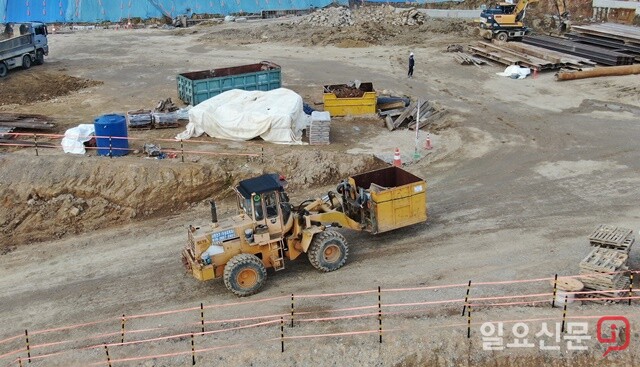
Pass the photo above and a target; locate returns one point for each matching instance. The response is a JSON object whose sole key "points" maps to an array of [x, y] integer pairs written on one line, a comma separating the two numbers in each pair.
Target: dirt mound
{"points": [[62, 195], [27, 86], [358, 35]]}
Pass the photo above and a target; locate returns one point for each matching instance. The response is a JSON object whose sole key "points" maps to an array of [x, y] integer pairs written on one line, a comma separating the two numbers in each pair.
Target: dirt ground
{"points": [[521, 172]]}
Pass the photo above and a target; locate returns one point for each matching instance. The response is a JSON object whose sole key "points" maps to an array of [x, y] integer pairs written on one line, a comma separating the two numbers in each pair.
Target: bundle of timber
{"points": [[604, 271], [408, 116]]}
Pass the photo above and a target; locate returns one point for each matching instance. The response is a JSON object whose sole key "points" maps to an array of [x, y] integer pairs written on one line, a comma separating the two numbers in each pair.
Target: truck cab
{"points": [[22, 45]]}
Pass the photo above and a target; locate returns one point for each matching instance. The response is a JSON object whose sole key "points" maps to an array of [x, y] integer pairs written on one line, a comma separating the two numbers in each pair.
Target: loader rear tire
{"points": [[244, 275], [502, 36], [328, 251]]}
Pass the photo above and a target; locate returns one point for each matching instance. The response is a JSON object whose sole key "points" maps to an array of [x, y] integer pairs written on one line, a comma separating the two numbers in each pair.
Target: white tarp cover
{"points": [[515, 72], [275, 116], [75, 137]]}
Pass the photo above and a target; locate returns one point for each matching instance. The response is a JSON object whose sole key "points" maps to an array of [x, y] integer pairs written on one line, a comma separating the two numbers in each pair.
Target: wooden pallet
{"points": [[624, 247], [603, 260], [610, 235]]}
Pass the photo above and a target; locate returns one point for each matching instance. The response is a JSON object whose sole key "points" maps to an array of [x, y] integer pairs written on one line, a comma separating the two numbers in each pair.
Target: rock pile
{"points": [[329, 17], [344, 17]]}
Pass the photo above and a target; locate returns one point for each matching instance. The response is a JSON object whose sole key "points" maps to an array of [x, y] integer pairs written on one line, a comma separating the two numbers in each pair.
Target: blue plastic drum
{"points": [[114, 126]]}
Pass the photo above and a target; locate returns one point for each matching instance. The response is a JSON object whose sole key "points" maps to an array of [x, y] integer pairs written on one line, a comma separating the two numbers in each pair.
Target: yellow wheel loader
{"points": [[268, 230]]}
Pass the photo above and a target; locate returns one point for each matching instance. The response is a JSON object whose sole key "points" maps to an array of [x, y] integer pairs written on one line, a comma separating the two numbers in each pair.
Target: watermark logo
{"points": [[615, 330]]}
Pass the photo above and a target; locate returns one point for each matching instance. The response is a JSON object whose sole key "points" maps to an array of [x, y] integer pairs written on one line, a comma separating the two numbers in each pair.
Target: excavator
{"points": [[505, 21]]}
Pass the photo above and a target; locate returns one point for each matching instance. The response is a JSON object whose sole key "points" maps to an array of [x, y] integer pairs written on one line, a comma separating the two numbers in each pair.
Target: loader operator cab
{"points": [[263, 199]]}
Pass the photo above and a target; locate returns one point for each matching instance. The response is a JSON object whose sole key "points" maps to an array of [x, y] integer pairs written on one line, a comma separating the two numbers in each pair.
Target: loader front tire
{"points": [[328, 251], [244, 275], [502, 36]]}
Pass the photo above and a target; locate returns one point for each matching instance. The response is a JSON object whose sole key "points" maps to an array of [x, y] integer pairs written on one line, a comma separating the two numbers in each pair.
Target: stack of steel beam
{"points": [[598, 54]]}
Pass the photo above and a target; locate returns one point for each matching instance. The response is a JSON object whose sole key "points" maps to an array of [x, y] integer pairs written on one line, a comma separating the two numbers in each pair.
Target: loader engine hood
{"points": [[201, 238]]}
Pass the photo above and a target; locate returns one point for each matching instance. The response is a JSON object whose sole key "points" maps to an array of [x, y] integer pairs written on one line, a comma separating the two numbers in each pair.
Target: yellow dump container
{"points": [[350, 106], [398, 198]]}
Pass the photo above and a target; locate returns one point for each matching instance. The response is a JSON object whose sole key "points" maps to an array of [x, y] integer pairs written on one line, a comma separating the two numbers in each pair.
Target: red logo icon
{"points": [[614, 323]]}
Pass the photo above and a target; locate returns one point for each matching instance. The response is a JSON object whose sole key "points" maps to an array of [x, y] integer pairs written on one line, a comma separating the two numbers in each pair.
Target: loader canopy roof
{"points": [[258, 185]]}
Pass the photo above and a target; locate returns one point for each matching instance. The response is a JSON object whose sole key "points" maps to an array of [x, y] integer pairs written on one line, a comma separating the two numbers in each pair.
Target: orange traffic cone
{"points": [[396, 158], [427, 143]]}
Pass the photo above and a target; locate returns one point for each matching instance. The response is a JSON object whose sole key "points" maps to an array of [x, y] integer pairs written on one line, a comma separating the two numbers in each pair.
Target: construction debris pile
{"points": [[408, 116], [604, 271], [344, 17], [344, 91]]}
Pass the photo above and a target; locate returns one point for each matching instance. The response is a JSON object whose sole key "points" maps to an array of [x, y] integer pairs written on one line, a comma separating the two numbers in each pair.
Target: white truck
{"points": [[22, 45]]}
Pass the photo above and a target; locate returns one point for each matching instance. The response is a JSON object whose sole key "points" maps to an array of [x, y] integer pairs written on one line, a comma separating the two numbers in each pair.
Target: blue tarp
{"points": [[90, 11]]}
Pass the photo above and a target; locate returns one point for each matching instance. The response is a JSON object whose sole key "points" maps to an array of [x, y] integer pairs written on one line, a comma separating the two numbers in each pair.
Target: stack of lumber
{"points": [[408, 116], [604, 271], [465, 59]]}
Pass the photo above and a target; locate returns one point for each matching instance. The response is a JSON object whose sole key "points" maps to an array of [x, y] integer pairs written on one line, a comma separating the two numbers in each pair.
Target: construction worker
{"points": [[412, 62]]}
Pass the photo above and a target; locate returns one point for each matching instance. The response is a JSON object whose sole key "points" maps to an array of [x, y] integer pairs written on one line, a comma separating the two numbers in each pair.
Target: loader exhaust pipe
{"points": [[214, 213]]}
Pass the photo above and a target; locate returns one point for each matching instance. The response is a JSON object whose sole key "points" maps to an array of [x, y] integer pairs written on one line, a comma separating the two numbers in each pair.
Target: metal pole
{"points": [[26, 335], [282, 333], [555, 288], [564, 313], [630, 287], [379, 314], [202, 316], [469, 322], [110, 147], [122, 339], [193, 351], [292, 309], [106, 350], [182, 150], [466, 298]]}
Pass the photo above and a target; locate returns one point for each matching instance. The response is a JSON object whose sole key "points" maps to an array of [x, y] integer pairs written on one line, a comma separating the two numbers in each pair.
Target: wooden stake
{"points": [[35, 143], [182, 150]]}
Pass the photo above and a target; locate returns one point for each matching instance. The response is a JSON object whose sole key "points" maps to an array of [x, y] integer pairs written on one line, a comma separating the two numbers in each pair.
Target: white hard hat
{"points": [[411, 54]]}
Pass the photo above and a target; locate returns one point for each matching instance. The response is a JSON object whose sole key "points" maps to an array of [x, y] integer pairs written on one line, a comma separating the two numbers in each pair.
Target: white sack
{"points": [[276, 116], [515, 72], [75, 137]]}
